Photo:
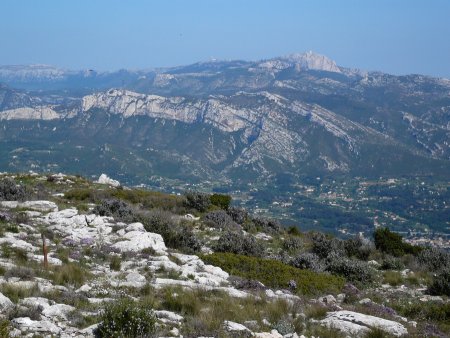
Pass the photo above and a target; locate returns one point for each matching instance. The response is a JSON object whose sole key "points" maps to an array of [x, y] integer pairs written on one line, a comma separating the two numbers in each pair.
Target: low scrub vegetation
{"points": [[275, 274], [125, 318]]}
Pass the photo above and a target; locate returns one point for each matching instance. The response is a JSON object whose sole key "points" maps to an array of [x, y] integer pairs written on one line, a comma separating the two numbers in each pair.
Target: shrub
{"points": [[352, 270], [358, 247], [10, 191], [292, 244], [239, 243], [5, 328], [293, 230], [392, 243], [221, 201], [69, 274], [441, 283], [79, 194], [176, 236], [125, 318], [115, 263], [220, 219], [434, 259], [115, 208], [308, 261], [393, 278], [267, 225], [391, 263], [197, 200], [275, 274], [324, 246], [239, 215]]}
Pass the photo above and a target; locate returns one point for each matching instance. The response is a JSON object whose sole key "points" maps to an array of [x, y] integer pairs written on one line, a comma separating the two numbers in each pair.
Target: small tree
{"points": [[222, 201]]}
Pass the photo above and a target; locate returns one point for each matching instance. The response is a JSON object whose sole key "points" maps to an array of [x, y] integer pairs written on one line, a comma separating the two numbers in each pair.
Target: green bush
{"points": [[274, 274], [115, 263], [10, 191], [197, 200], [238, 243], [392, 243], [69, 274], [221, 201], [441, 284], [352, 270], [79, 194], [125, 318], [118, 209]]}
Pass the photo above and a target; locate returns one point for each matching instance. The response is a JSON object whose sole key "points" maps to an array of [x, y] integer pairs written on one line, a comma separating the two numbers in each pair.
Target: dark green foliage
{"points": [[266, 225], [238, 243], [352, 270], [124, 318], [324, 246], [115, 263], [275, 274], [434, 259], [239, 215], [292, 244], [176, 236], [441, 283], [221, 201], [10, 191], [308, 261], [293, 230], [392, 243], [80, 194], [391, 263], [220, 219], [424, 311], [358, 247], [5, 328], [197, 200], [115, 208]]}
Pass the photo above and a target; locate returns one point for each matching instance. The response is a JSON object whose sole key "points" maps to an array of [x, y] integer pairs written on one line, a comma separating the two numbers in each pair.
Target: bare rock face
{"points": [[354, 323], [5, 303], [104, 179]]}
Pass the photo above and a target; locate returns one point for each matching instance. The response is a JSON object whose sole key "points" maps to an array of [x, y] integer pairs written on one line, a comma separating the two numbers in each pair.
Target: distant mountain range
{"points": [[225, 121]]}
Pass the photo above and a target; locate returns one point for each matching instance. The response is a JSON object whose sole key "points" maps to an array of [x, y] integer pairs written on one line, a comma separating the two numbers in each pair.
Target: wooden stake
{"points": [[44, 249]]}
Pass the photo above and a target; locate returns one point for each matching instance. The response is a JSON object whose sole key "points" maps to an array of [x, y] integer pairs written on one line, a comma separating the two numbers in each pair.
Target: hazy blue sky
{"points": [[396, 36]]}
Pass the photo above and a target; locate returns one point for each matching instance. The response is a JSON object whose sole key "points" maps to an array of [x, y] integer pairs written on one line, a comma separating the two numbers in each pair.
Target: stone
{"points": [[5, 303], [135, 280], [137, 241], [230, 326], [43, 206], [58, 311], [135, 227], [25, 324], [355, 323], [35, 302], [271, 334], [169, 315], [104, 179], [328, 299]]}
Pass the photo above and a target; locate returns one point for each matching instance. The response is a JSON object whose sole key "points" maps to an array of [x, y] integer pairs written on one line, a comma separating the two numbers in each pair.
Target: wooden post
{"points": [[44, 250]]}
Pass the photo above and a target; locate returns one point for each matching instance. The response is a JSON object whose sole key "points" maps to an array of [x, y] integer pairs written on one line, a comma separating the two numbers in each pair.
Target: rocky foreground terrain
{"points": [[132, 263]]}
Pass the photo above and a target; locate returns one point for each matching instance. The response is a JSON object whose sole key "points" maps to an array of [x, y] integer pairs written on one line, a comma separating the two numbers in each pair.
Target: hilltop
{"points": [[125, 261]]}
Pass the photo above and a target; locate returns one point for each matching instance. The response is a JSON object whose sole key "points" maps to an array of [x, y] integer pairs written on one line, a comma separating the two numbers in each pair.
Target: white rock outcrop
{"points": [[104, 179], [355, 323], [137, 241], [5, 303]]}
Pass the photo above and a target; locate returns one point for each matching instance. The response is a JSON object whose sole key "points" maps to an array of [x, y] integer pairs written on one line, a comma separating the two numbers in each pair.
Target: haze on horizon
{"points": [[400, 37]]}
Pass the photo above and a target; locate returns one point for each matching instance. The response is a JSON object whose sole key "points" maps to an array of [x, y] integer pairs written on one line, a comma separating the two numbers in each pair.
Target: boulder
{"points": [[230, 326], [355, 323], [137, 241], [271, 334], [104, 179], [58, 311], [5, 303], [25, 324]]}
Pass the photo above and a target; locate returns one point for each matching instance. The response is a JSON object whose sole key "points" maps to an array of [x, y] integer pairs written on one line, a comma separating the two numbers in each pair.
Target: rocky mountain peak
{"points": [[312, 60]]}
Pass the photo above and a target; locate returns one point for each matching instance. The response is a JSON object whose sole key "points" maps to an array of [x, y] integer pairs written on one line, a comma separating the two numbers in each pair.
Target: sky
{"points": [[393, 36]]}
